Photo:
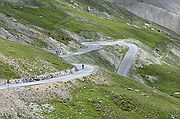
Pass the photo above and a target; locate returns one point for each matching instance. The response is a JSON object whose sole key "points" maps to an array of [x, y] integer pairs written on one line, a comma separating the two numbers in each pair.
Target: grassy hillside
{"points": [[122, 99], [53, 15], [7, 71], [167, 78], [30, 59]]}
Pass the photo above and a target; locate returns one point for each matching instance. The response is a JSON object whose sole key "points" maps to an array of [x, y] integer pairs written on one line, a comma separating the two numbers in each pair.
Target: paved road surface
{"points": [[80, 73], [123, 69], [127, 61]]}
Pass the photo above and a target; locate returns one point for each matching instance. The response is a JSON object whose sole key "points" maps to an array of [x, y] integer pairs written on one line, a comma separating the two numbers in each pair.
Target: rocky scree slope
{"points": [[163, 12]]}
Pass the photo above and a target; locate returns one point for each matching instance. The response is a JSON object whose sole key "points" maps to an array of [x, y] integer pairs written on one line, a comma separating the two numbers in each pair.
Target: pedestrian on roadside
{"points": [[8, 81], [82, 66]]}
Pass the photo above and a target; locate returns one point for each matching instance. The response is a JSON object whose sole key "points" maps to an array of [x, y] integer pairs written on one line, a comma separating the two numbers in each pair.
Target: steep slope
{"points": [[170, 5], [100, 21], [163, 12], [19, 60], [29, 27]]}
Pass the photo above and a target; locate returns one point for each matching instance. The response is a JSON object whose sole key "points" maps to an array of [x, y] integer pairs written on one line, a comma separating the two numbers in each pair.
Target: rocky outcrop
{"points": [[163, 12], [14, 107], [15, 37], [24, 32]]}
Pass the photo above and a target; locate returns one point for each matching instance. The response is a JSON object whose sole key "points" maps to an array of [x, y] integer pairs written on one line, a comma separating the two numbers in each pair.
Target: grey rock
{"points": [[163, 12]]}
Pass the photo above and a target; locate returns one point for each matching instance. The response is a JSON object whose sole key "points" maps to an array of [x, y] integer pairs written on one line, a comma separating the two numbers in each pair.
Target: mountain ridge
{"points": [[163, 12], [42, 39]]}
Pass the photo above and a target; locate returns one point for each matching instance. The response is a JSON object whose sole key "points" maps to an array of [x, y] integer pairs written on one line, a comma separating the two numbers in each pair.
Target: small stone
{"points": [[137, 90], [130, 89]]}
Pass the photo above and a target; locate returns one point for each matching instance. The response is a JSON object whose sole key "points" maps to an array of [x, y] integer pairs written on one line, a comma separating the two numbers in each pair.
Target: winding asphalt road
{"points": [[123, 69], [80, 73], [127, 61]]}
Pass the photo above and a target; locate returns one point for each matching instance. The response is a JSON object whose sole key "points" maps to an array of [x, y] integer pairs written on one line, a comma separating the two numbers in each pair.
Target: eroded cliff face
{"points": [[163, 12], [170, 5]]}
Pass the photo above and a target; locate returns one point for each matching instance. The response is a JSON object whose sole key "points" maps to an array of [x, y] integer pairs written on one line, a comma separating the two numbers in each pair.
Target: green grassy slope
{"points": [[51, 15], [115, 101], [7, 71], [123, 98], [117, 29], [28, 56], [167, 77]]}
